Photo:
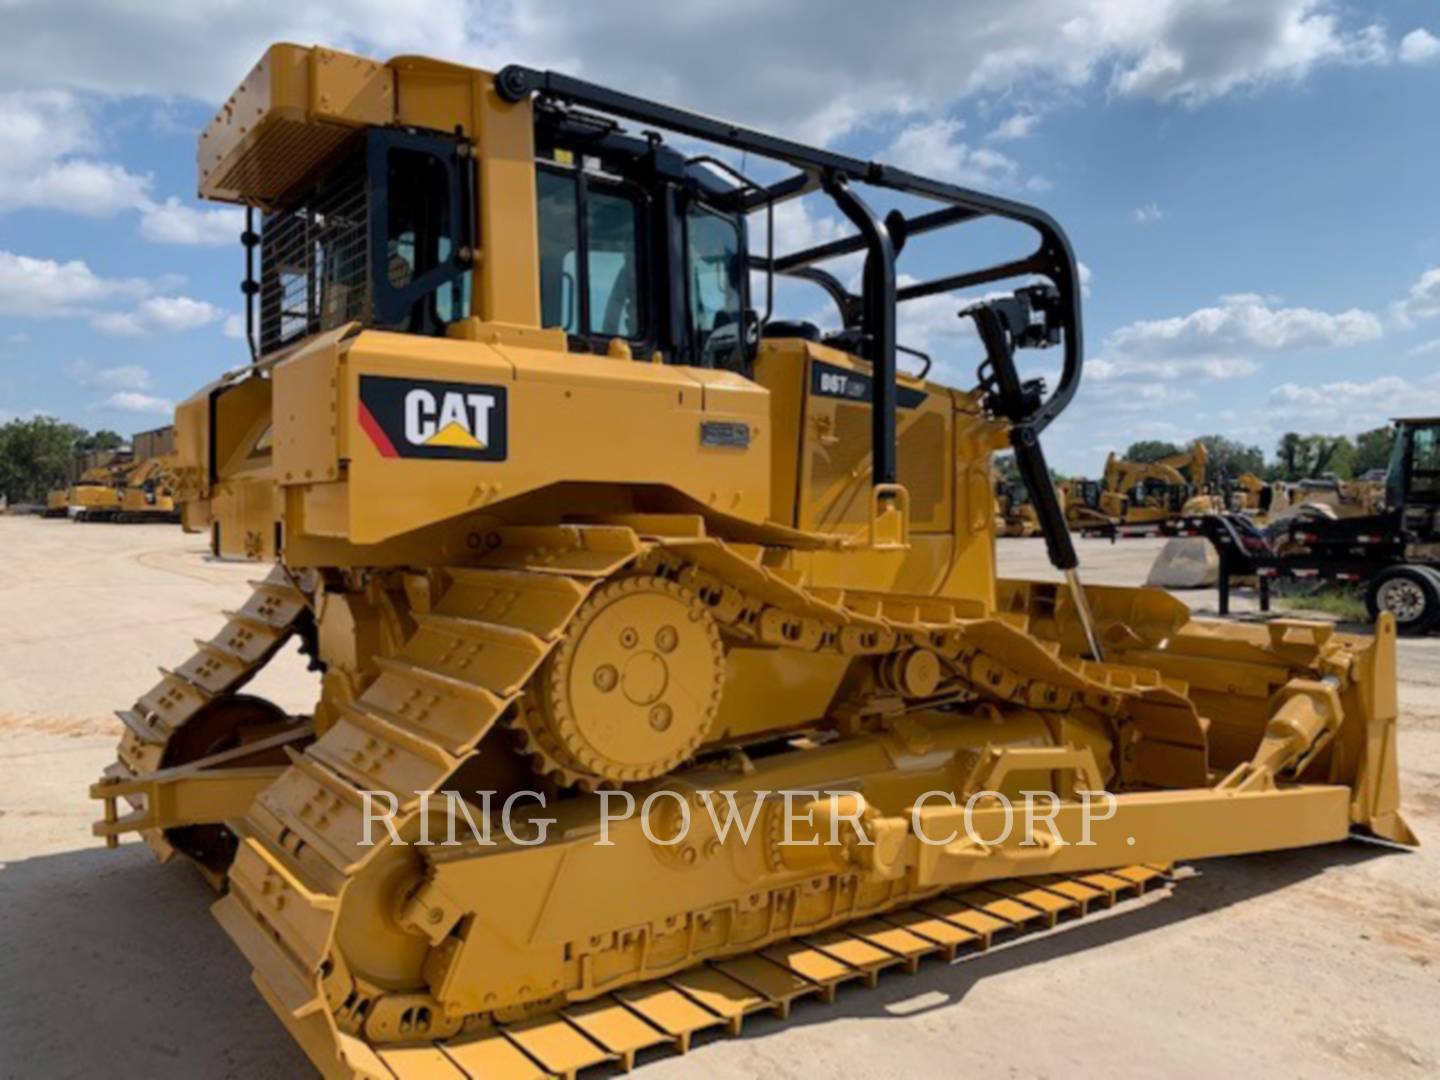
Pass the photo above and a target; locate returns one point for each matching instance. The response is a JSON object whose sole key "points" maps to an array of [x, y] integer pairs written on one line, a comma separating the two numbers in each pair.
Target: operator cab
{"points": [[1413, 475], [638, 243]]}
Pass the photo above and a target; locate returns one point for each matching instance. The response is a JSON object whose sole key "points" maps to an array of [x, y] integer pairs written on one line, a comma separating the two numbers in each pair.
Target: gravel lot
{"points": [[1307, 963]]}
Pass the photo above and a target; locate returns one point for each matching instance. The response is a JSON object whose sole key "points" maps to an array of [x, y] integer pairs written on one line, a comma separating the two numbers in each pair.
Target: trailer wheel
{"points": [[1410, 593]]}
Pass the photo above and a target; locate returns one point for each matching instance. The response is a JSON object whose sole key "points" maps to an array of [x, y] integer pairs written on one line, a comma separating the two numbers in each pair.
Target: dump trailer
{"points": [[569, 521]]}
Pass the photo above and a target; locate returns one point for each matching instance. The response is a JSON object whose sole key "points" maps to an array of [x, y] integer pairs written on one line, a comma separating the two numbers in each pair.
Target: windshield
{"points": [[1424, 462], [713, 257]]}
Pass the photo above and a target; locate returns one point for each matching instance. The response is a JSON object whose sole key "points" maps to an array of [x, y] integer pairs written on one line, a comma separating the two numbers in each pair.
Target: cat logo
{"points": [[425, 418]]}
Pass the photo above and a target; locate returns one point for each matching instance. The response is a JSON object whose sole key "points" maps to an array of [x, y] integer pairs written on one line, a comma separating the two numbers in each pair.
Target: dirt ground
{"points": [[1309, 963]]}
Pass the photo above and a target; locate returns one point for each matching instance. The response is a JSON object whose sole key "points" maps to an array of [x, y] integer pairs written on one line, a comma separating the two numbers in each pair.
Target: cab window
{"points": [[714, 284], [1425, 462], [589, 240]]}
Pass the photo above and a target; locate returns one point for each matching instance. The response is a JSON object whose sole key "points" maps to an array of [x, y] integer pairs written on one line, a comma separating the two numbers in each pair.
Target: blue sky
{"points": [[1249, 183]]}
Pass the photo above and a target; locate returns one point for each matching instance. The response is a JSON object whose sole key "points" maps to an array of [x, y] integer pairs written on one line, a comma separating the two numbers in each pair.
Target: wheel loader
{"points": [[569, 520]]}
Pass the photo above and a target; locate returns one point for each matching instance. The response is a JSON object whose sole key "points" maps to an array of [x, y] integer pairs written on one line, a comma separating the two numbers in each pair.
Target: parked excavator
{"points": [[556, 505], [97, 494], [148, 494], [1141, 494]]}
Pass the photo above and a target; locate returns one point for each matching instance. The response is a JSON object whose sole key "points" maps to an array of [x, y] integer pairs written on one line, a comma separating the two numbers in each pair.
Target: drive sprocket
{"points": [[631, 691]]}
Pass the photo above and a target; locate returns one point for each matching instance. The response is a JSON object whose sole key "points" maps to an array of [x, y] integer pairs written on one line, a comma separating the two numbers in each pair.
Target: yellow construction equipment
{"points": [[134, 484], [1142, 492], [97, 494], [57, 503], [148, 493], [1014, 514], [582, 538]]}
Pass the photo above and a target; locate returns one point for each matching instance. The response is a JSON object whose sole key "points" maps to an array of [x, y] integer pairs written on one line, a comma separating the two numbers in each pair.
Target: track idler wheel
{"points": [[631, 691], [223, 724]]}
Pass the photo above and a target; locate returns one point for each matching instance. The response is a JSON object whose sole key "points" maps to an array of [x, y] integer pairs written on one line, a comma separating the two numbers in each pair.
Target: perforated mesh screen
{"points": [[924, 468], [924, 460], [314, 265]]}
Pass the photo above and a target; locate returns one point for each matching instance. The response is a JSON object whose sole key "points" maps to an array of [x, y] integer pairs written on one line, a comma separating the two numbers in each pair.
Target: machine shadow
{"points": [[1218, 884], [130, 948], [112, 966]]}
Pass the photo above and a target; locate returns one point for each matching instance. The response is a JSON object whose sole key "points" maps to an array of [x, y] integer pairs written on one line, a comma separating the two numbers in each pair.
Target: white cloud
{"points": [[47, 143], [1419, 46], [123, 377], [1148, 214], [159, 314], [1015, 126], [1423, 299], [1240, 324], [933, 149], [796, 228], [1352, 405], [234, 327], [172, 222], [1425, 348], [1187, 50], [130, 401], [41, 288], [1136, 363], [1133, 397], [1217, 368], [205, 49], [1085, 277], [1193, 52]]}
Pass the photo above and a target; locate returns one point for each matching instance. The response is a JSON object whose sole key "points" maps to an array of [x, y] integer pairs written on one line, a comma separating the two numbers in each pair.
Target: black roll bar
{"points": [[1053, 259], [878, 300]]}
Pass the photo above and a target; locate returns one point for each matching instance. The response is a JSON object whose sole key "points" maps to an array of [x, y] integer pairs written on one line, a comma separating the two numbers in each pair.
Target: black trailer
{"points": [[1394, 554]]}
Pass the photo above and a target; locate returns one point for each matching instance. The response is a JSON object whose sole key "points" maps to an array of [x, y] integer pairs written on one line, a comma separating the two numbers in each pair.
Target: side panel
{"points": [[781, 367], [453, 427], [835, 465], [973, 567]]}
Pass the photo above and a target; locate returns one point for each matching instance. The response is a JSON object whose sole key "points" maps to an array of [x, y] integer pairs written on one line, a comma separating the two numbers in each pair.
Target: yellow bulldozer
{"points": [[586, 542]]}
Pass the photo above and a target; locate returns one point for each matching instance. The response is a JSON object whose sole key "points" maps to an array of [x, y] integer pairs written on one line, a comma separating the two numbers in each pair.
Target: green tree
{"points": [[1341, 459], [1006, 470], [104, 439], [1302, 457], [1232, 458], [1147, 450], [1372, 449], [36, 455]]}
